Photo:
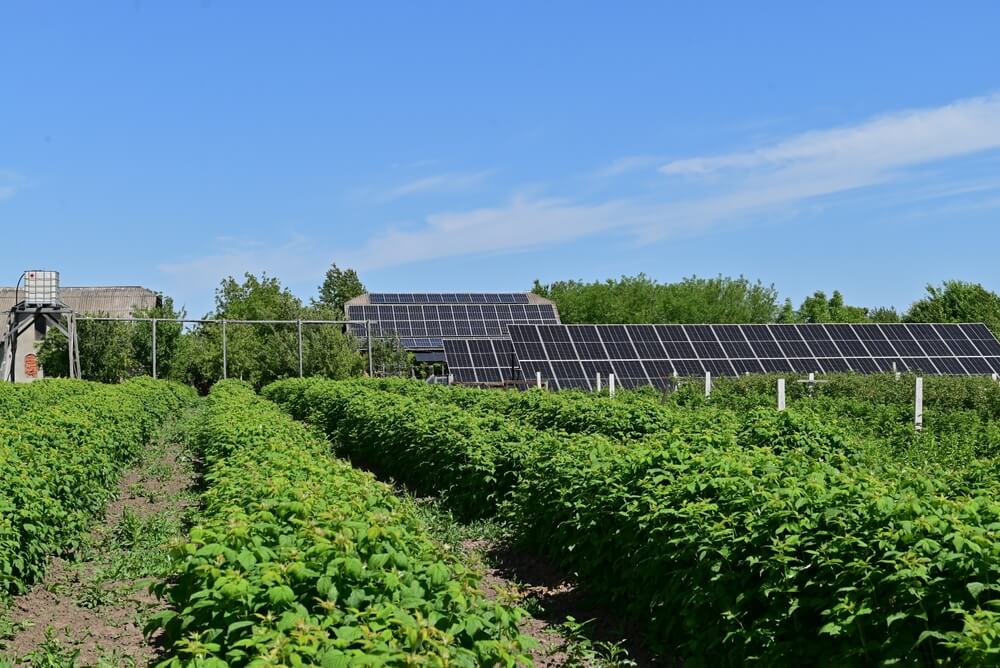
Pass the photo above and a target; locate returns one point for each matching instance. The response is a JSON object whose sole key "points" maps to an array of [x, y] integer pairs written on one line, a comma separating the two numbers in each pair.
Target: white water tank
{"points": [[41, 288]]}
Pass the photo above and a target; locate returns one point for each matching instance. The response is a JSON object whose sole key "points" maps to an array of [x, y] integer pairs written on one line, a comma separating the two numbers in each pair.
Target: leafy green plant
{"points": [[299, 559], [729, 533], [61, 458]]}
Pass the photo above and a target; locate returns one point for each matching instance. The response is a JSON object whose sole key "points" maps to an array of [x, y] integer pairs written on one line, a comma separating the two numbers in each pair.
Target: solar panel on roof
{"points": [[413, 316], [573, 355]]}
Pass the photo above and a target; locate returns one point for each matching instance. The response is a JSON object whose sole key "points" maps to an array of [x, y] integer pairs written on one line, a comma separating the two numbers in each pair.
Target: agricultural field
{"points": [[727, 532], [391, 522]]}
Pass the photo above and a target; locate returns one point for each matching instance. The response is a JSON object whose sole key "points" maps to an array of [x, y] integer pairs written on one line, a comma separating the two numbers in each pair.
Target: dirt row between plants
{"points": [[93, 604]]}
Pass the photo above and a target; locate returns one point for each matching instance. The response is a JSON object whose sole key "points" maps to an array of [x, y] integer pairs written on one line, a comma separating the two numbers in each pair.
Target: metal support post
{"points": [[598, 381], [918, 405], [154, 347], [611, 384], [708, 383], [781, 394], [299, 326], [368, 335], [225, 353], [538, 379]]}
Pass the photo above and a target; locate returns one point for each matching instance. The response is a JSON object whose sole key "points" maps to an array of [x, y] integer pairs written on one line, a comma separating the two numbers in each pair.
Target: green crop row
{"points": [[768, 541], [63, 445], [299, 559], [961, 425]]}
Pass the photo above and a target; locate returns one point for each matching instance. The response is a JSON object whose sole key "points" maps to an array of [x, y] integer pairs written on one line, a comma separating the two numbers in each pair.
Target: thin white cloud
{"points": [[521, 223], [773, 181], [627, 165], [448, 182], [884, 143], [10, 183]]}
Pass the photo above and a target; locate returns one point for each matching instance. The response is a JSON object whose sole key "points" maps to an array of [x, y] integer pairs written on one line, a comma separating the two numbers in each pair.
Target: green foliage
{"points": [[61, 452], [640, 299], [111, 351], [817, 308], [774, 538], [299, 559], [168, 339], [339, 286], [262, 353], [389, 357], [957, 301], [106, 354]]}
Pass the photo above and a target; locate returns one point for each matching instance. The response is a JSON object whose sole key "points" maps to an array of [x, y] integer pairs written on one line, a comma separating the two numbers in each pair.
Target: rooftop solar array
{"points": [[571, 356], [421, 324], [447, 298], [481, 360]]}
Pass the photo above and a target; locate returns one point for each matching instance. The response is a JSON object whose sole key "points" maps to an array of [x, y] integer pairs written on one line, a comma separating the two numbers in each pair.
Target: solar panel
{"points": [[571, 356], [448, 297], [479, 361], [415, 317]]}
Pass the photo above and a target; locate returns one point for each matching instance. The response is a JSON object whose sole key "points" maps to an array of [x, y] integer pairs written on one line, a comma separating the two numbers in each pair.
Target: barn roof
{"points": [[117, 301]]}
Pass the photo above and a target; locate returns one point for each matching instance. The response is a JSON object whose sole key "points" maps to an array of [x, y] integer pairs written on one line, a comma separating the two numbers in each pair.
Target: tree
{"points": [[389, 358], [817, 308], [262, 353], [640, 299], [168, 338], [339, 286], [106, 353], [957, 301]]}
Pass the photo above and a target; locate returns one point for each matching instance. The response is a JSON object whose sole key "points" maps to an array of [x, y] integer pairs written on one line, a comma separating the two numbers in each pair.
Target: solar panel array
{"points": [[571, 356], [448, 298], [422, 325], [481, 360]]}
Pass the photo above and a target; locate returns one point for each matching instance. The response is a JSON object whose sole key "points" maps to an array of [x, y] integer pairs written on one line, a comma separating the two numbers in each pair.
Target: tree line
{"points": [[641, 299], [257, 353]]}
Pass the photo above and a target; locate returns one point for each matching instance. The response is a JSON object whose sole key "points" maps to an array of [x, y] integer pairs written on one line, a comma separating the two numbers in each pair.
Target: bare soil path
{"points": [[569, 628], [91, 608]]}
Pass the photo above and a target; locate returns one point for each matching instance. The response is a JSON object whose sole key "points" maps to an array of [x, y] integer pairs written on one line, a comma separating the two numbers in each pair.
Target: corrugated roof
{"points": [[118, 301]]}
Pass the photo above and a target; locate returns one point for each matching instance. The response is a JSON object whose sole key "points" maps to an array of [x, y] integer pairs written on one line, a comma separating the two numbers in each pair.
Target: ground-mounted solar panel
{"points": [[571, 356], [417, 318], [481, 361]]}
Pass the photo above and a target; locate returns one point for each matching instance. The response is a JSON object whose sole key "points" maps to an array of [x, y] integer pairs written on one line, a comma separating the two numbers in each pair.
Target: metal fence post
{"points": [[371, 362], [918, 405], [225, 353], [154, 347], [598, 381], [708, 383], [781, 394], [538, 379], [611, 384], [299, 326]]}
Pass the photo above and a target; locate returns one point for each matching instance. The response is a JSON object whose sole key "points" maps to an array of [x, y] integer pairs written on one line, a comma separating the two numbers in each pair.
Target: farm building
{"points": [[115, 301]]}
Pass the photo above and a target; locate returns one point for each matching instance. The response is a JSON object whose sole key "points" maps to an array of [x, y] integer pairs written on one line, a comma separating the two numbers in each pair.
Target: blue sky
{"points": [[478, 146]]}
